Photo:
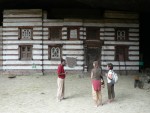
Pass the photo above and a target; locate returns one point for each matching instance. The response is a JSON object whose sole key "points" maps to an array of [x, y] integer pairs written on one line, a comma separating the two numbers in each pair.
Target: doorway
{"points": [[92, 55]]}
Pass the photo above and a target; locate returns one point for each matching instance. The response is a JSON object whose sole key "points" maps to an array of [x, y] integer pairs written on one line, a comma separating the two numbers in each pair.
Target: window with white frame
{"points": [[25, 52], [25, 33], [54, 52], [73, 33]]}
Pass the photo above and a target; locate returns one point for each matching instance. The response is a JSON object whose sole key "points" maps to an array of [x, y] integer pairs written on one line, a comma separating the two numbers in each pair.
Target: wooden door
{"points": [[93, 54]]}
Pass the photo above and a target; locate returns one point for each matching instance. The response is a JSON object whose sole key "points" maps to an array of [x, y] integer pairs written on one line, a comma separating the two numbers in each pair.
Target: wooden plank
{"points": [[79, 52], [38, 57], [74, 56], [10, 47], [10, 38], [134, 38], [122, 25], [133, 30], [10, 29], [134, 34], [107, 29], [21, 67], [63, 42], [117, 63], [79, 68], [22, 42], [107, 58], [126, 68], [22, 13], [10, 33], [38, 28], [73, 47], [133, 47], [38, 33], [52, 24], [65, 23], [121, 15], [6, 52], [64, 33], [10, 57], [22, 62], [121, 43], [37, 37], [107, 38], [107, 52], [133, 52], [108, 47], [15, 20], [22, 24], [133, 58], [107, 33], [64, 37], [93, 24]]}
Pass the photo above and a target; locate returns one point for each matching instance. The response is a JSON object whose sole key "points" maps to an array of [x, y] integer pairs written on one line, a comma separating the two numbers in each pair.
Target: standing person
{"points": [[110, 86], [96, 77], [61, 80]]}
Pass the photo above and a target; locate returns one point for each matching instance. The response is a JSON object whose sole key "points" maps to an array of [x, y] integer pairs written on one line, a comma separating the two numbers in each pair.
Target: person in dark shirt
{"points": [[61, 80]]}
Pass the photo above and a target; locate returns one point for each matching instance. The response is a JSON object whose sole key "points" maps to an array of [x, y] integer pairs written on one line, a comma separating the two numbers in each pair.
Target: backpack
{"points": [[115, 78]]}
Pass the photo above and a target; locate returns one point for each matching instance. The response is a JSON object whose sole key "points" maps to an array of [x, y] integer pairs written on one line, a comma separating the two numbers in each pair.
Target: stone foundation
{"points": [[54, 72]]}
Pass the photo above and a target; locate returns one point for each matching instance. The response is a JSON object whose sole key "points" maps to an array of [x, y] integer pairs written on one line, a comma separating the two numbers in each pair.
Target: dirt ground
{"points": [[37, 94]]}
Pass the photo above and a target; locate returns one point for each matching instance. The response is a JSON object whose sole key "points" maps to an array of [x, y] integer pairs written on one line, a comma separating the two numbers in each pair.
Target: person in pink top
{"points": [[97, 81], [61, 80]]}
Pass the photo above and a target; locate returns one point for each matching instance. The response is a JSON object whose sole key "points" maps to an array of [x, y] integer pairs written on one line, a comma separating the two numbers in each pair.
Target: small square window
{"points": [[25, 52], [121, 34], [25, 33], [73, 33]]}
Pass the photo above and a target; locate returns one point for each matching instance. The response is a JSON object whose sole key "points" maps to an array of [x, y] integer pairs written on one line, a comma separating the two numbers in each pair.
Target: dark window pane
{"points": [[92, 33], [55, 33]]}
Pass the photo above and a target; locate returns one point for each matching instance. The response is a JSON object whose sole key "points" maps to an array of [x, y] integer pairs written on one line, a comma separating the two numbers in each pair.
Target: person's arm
{"points": [[102, 80], [91, 75], [110, 76], [62, 73]]}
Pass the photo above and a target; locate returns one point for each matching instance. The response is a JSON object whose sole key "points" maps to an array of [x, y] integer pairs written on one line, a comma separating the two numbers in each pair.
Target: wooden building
{"points": [[33, 43]]}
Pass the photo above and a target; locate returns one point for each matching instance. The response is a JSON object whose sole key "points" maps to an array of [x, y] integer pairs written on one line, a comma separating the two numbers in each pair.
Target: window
{"points": [[73, 33], [55, 33], [25, 52], [25, 33], [121, 34], [121, 53], [93, 33], [54, 52]]}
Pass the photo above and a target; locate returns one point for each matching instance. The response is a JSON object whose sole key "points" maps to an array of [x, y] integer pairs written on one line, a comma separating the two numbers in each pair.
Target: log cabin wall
{"points": [[127, 61], [34, 44], [15, 22], [1, 50], [71, 46]]}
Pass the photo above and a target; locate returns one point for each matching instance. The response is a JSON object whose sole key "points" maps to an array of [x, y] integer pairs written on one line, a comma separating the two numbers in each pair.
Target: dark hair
{"points": [[110, 65], [62, 60]]}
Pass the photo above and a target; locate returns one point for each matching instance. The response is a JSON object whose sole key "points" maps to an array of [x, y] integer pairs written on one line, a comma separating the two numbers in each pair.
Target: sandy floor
{"points": [[37, 94]]}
